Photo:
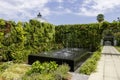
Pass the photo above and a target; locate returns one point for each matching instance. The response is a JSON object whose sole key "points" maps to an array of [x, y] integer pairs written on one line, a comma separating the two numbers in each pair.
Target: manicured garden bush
{"points": [[90, 64]]}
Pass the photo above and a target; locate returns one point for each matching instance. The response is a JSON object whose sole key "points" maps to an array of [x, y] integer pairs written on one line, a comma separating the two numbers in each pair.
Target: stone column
{"points": [[115, 42], [101, 42]]}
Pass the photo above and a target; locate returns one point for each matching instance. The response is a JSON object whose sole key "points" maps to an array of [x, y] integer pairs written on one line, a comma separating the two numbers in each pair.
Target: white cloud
{"points": [[94, 7], [61, 1], [27, 9], [22, 9]]}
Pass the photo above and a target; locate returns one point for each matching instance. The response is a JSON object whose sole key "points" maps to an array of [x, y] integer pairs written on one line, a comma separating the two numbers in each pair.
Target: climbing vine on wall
{"points": [[80, 35], [17, 40]]}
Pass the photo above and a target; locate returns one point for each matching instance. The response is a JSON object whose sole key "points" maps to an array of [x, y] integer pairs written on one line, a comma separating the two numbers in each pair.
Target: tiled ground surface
{"points": [[109, 65]]}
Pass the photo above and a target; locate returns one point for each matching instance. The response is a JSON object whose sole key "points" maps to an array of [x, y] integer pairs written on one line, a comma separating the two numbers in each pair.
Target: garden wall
{"points": [[18, 40], [79, 35]]}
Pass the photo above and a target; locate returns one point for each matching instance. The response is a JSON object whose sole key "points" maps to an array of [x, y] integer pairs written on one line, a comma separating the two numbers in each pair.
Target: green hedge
{"points": [[18, 40], [81, 35], [90, 64], [86, 35]]}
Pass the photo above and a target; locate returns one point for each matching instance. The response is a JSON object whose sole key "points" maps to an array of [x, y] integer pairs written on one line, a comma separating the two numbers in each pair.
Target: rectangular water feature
{"points": [[71, 56]]}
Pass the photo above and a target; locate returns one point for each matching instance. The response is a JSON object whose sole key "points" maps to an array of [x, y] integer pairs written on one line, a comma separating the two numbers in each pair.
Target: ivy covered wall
{"points": [[18, 40], [79, 35]]}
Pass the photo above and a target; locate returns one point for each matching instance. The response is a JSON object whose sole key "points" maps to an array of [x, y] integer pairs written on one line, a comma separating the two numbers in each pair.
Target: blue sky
{"points": [[60, 11]]}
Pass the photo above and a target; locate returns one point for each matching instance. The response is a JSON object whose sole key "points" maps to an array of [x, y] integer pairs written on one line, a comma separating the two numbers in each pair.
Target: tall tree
{"points": [[118, 19], [100, 18]]}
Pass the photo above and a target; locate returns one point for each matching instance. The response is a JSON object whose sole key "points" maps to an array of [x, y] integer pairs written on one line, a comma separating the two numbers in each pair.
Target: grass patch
{"points": [[47, 71], [38, 71], [4, 66], [118, 48], [90, 64], [14, 72]]}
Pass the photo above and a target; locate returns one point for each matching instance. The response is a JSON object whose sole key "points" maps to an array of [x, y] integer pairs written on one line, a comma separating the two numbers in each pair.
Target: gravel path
{"points": [[77, 76]]}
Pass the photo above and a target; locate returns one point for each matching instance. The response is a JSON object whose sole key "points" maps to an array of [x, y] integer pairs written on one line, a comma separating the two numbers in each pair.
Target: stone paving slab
{"points": [[109, 65], [77, 76]]}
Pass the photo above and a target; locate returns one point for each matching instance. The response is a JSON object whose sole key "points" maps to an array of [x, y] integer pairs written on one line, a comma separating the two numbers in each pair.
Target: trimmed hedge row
{"points": [[18, 40], [86, 35], [80, 36], [90, 64]]}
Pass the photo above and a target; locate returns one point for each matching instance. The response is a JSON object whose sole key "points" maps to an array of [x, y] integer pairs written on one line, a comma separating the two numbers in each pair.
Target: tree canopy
{"points": [[100, 18]]}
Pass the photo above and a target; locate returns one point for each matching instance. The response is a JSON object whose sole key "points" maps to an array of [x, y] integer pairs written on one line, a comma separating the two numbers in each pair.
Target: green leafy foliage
{"points": [[46, 67], [38, 76], [18, 40], [15, 72], [81, 35], [100, 17], [90, 64], [86, 35], [62, 72], [4, 66], [2, 23], [47, 71], [118, 48]]}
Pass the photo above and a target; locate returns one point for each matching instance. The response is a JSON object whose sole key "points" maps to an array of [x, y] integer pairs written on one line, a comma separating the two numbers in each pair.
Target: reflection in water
{"points": [[67, 53]]}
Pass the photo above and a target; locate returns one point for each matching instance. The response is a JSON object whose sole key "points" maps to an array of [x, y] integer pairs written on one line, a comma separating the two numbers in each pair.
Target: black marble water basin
{"points": [[71, 56]]}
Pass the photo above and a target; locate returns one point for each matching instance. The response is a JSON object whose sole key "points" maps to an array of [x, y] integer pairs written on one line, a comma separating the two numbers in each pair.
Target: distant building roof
{"points": [[40, 18]]}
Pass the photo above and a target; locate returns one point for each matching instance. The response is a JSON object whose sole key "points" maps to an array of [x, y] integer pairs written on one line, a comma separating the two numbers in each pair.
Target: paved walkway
{"points": [[109, 65]]}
